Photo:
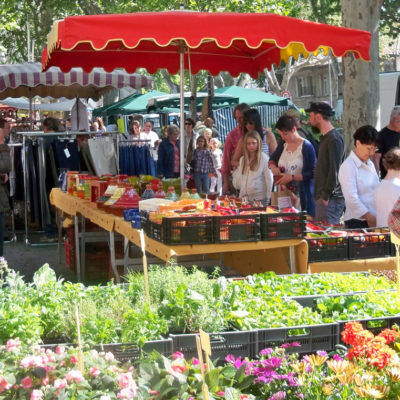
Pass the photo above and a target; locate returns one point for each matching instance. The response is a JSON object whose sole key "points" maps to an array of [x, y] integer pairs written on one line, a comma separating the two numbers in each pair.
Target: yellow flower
{"points": [[316, 360], [393, 373], [299, 366], [360, 391], [375, 392], [327, 389], [338, 366]]}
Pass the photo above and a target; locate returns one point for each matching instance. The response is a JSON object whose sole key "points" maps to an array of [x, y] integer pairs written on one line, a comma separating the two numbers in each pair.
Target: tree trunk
{"points": [[360, 78], [171, 85], [193, 102]]}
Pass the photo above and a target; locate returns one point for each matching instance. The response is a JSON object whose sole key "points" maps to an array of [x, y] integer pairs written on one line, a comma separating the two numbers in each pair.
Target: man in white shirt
{"points": [[388, 191], [149, 134]]}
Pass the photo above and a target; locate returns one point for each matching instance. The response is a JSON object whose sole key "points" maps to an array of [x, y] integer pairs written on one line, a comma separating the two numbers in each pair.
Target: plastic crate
{"points": [[239, 344], [283, 226], [124, 352], [236, 228], [327, 249], [374, 325], [180, 230], [311, 338], [372, 245]]}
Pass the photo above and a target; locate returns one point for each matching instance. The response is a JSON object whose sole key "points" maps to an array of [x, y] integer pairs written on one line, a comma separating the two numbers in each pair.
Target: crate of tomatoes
{"points": [[323, 246], [233, 227], [286, 224], [369, 243]]}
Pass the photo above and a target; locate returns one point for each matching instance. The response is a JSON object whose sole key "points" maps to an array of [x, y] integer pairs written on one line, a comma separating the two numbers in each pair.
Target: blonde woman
{"points": [[253, 178]]}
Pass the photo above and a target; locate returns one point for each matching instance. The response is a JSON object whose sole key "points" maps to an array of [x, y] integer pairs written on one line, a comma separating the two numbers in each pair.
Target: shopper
{"points": [[293, 164], [216, 181], [328, 197], [358, 179], [252, 122], [5, 168], [231, 142], [253, 178], [388, 191], [203, 165], [168, 163], [389, 137]]}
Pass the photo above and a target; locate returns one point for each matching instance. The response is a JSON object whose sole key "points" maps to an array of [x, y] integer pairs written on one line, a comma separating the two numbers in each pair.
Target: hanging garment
{"points": [[85, 160], [67, 155], [136, 160], [79, 117], [102, 151]]}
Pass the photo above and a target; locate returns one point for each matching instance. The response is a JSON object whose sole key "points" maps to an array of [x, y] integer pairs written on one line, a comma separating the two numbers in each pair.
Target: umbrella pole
{"points": [[182, 117]]}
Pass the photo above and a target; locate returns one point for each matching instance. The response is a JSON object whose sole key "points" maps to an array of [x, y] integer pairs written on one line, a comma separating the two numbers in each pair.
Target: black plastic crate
{"points": [[180, 230], [327, 249], [312, 338], [124, 352], [283, 225], [239, 344], [236, 228], [374, 325], [370, 245]]}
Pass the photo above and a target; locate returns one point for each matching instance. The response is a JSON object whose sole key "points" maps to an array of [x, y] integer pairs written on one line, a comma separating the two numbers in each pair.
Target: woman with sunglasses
{"points": [[252, 122]]}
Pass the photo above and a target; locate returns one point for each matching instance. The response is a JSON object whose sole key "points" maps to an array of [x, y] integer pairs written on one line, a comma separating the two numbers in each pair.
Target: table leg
{"points": [[292, 260], [112, 257], [59, 217], [77, 256], [126, 254], [83, 247]]}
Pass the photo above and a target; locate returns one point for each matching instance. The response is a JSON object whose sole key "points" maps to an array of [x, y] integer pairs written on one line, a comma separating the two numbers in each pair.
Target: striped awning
{"points": [[27, 79]]}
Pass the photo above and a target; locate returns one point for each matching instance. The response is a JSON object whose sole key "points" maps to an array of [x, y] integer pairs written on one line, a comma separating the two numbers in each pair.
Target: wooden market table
{"points": [[281, 256]]}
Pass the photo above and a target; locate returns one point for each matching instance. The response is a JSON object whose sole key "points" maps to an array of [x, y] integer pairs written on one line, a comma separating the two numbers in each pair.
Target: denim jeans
{"points": [[202, 182], [330, 213]]}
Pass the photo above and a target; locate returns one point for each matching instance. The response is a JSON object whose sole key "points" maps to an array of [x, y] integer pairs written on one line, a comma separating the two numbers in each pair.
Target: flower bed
{"points": [[368, 369]]}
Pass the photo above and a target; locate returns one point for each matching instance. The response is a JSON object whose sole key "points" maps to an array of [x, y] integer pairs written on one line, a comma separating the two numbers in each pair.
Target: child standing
{"points": [[216, 152], [253, 177], [203, 165]]}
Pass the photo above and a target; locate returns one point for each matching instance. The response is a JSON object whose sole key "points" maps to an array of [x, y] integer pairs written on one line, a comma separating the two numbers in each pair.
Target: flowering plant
{"points": [[38, 374]]}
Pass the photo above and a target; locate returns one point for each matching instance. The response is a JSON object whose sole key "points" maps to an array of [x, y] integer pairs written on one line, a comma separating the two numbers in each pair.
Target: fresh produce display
{"points": [[317, 284], [182, 301], [337, 244]]}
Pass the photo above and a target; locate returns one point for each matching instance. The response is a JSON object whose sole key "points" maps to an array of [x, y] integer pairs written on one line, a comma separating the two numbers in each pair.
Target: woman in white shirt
{"points": [[358, 180], [253, 177], [388, 191]]}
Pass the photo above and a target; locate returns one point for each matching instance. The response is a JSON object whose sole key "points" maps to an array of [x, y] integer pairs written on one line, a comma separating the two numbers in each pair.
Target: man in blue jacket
{"points": [[168, 154]]}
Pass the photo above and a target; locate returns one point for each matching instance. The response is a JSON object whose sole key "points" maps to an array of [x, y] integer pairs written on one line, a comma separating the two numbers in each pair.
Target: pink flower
{"points": [[127, 393], [36, 395], [125, 380], [13, 344], [45, 381], [60, 383], [60, 350], [26, 382], [178, 368], [73, 359], [95, 371], [75, 376], [220, 393], [176, 355], [336, 357], [4, 385], [195, 361], [32, 361]]}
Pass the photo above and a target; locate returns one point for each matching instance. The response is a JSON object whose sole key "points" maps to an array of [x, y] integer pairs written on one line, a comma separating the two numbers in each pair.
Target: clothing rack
{"points": [[41, 134]]}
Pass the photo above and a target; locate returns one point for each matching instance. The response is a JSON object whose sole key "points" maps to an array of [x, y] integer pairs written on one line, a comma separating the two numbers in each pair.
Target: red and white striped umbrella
{"points": [[28, 80]]}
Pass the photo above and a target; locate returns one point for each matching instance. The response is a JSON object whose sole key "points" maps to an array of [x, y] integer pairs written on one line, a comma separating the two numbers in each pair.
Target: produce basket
{"points": [[239, 344], [311, 338], [369, 244], [124, 352], [236, 228], [180, 230], [327, 248], [283, 225]]}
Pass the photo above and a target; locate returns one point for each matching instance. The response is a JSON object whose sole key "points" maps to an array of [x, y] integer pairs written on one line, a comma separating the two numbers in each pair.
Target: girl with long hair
{"points": [[253, 178]]}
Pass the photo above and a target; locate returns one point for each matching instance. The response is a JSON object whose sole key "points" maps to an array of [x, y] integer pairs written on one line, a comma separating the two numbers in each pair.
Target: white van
{"points": [[389, 83]]}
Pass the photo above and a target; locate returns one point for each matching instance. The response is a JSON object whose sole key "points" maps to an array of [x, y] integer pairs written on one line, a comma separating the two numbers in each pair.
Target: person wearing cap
{"points": [[304, 133], [389, 137], [328, 196]]}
